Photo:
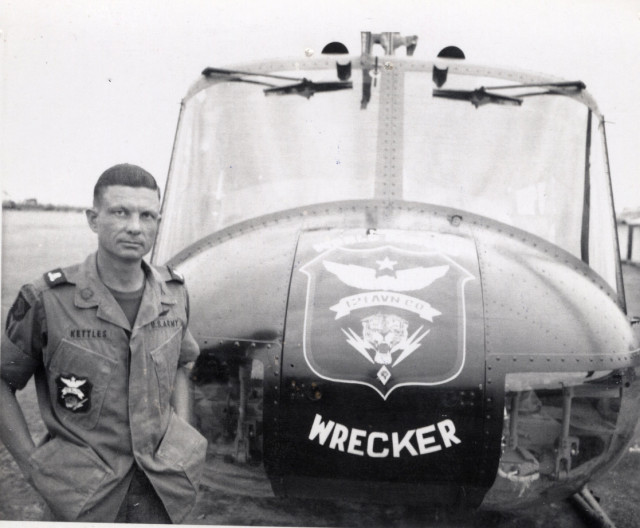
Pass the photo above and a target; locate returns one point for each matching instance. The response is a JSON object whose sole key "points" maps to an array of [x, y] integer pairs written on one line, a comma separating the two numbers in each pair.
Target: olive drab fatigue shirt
{"points": [[104, 390]]}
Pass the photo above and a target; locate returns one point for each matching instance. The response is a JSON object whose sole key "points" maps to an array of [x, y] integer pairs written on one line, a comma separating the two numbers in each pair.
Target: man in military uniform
{"points": [[108, 344]]}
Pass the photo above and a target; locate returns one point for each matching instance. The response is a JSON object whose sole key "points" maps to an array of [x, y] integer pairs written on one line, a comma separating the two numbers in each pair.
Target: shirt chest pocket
{"points": [[165, 359], [78, 382]]}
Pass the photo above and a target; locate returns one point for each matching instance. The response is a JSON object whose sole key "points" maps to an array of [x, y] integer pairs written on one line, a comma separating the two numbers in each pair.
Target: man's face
{"points": [[126, 221]]}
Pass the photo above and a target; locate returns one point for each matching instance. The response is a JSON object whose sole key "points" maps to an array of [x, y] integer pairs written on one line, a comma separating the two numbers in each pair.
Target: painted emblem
{"points": [[385, 317], [74, 392], [384, 335]]}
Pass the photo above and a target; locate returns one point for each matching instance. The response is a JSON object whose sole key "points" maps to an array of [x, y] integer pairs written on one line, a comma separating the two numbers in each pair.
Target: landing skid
{"points": [[590, 508]]}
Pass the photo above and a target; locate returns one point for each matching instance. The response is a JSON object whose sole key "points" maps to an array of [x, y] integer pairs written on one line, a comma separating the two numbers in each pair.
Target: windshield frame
{"points": [[400, 64]]}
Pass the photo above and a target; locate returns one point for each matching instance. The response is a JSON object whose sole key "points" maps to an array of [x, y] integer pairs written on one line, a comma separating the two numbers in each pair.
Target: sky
{"points": [[86, 84]]}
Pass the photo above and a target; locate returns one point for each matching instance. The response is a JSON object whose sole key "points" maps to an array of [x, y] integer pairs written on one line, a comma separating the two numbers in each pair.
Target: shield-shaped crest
{"points": [[74, 393], [385, 317]]}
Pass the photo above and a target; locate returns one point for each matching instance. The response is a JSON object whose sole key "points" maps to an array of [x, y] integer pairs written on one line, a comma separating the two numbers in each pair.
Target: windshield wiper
{"points": [[478, 97], [234, 74], [564, 87], [307, 88], [482, 96], [303, 86]]}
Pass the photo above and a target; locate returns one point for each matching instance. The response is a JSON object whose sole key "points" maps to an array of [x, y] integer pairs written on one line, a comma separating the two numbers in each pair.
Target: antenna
{"points": [[389, 41]]}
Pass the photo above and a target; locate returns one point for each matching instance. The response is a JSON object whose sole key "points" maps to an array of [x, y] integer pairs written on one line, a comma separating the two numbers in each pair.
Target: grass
{"points": [[36, 242]]}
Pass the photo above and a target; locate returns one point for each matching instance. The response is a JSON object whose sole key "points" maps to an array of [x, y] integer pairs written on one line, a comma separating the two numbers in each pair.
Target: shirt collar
{"points": [[91, 292]]}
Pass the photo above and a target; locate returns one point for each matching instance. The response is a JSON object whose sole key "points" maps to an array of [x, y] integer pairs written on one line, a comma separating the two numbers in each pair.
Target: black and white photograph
{"points": [[340, 264]]}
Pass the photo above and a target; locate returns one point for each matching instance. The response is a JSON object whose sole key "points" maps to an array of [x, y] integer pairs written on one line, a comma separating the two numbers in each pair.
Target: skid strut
{"points": [[588, 504]]}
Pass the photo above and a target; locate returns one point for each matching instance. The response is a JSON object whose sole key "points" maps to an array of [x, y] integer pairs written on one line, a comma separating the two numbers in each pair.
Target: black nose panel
{"points": [[383, 370]]}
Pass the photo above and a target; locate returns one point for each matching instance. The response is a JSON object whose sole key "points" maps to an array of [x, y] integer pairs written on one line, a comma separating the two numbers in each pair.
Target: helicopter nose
{"points": [[508, 379], [406, 350]]}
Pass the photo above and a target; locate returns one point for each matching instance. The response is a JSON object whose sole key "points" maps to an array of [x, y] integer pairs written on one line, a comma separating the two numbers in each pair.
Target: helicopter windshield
{"points": [[240, 154]]}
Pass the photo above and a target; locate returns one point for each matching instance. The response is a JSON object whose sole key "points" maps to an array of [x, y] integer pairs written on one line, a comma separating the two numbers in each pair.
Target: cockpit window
{"points": [[520, 164], [242, 153]]}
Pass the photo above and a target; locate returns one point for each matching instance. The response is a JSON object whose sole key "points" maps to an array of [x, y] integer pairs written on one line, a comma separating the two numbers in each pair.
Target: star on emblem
{"points": [[387, 263]]}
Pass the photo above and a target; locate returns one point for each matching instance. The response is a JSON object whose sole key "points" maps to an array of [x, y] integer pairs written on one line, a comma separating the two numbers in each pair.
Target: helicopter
{"points": [[404, 279]]}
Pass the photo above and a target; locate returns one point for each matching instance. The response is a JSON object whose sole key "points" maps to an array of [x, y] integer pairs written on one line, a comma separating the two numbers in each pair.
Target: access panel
{"points": [[383, 371]]}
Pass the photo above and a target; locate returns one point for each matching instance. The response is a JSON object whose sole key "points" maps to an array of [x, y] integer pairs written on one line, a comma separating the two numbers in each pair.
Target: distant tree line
{"points": [[628, 216], [31, 204]]}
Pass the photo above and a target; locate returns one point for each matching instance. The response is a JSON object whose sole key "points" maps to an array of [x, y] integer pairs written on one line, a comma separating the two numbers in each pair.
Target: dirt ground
{"points": [[618, 490]]}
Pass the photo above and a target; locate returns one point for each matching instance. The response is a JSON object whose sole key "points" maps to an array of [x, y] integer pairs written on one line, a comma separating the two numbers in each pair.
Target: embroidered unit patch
{"points": [[74, 392], [19, 309]]}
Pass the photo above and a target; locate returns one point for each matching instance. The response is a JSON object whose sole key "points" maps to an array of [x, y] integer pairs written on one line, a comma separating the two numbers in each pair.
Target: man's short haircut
{"points": [[123, 174]]}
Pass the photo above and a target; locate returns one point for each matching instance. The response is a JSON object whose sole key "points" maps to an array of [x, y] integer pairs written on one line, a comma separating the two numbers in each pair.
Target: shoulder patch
{"points": [[175, 275], [55, 277], [19, 309]]}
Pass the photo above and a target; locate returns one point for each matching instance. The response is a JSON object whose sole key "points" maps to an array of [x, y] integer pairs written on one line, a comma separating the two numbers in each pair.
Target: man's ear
{"points": [[91, 215]]}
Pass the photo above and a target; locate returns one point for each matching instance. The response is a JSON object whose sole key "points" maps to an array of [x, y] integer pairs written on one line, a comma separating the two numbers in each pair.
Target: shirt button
{"points": [[86, 294]]}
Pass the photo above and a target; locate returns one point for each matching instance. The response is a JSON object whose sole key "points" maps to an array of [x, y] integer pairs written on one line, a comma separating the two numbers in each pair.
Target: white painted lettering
{"points": [[355, 441], [320, 429], [414, 442], [405, 443], [448, 432], [384, 438], [340, 435], [424, 442]]}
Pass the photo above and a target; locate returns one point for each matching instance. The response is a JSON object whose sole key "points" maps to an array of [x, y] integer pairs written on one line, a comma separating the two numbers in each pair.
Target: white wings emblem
{"points": [[404, 280], [73, 383]]}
